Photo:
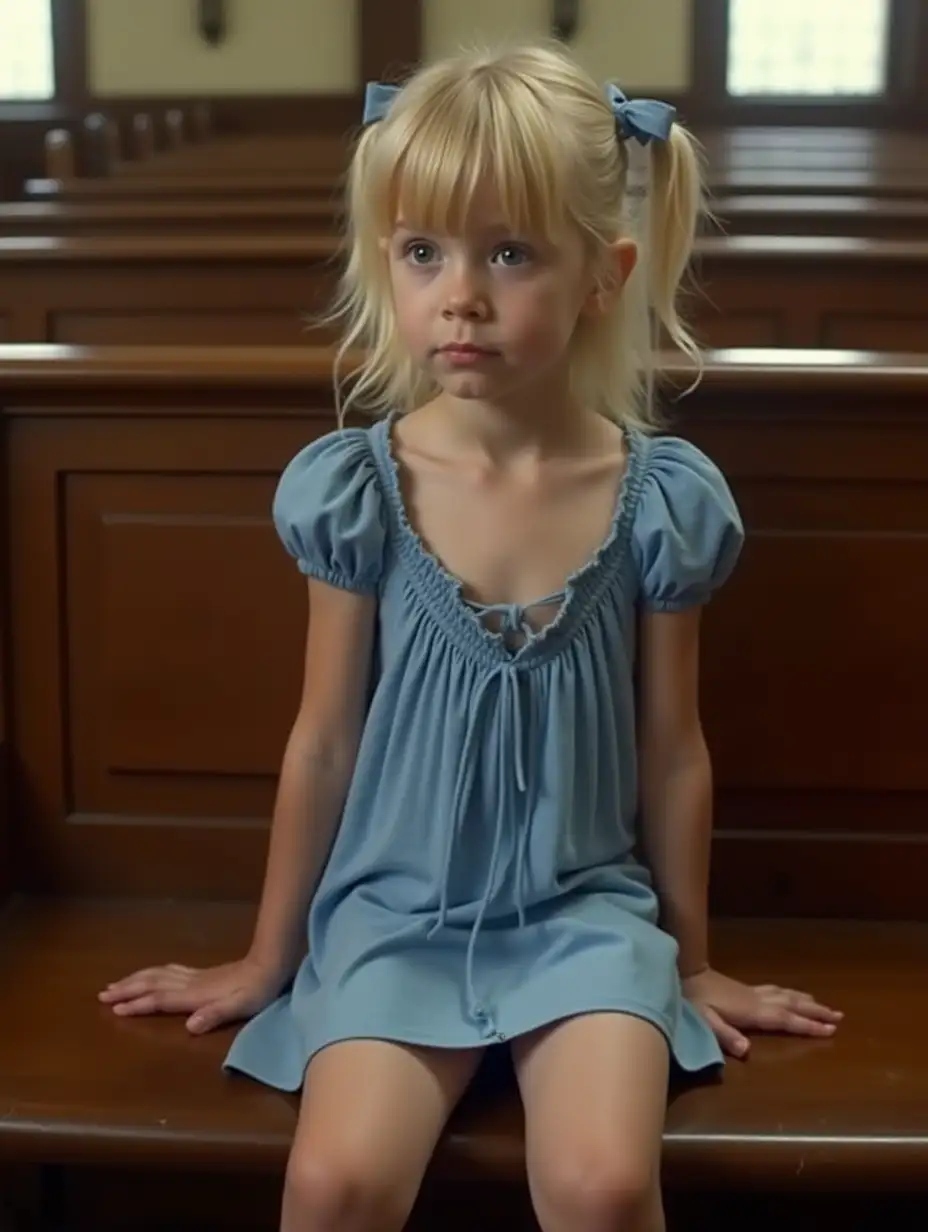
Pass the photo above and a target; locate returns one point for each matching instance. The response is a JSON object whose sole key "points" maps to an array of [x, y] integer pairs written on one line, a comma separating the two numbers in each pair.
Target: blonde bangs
{"points": [[436, 162]]}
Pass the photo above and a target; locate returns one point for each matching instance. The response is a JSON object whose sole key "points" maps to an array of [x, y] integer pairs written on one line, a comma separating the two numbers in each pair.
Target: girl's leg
{"points": [[370, 1117], [595, 1095]]}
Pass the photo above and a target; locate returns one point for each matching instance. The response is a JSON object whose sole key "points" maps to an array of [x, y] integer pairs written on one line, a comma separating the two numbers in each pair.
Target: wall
{"points": [[641, 43], [274, 47], [308, 46]]}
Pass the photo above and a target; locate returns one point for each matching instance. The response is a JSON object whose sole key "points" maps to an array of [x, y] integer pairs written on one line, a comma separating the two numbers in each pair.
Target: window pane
{"points": [[808, 47], [27, 63]]}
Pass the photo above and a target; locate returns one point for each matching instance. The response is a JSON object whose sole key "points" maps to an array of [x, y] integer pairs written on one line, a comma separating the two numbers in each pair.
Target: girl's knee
{"points": [[328, 1191], [593, 1191]]}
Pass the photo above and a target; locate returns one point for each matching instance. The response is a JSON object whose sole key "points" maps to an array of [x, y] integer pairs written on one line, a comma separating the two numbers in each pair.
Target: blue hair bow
{"points": [[377, 99], [645, 119]]}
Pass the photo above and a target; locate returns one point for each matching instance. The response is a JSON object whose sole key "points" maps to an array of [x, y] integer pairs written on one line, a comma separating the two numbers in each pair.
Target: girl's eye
{"points": [[419, 252], [512, 254]]}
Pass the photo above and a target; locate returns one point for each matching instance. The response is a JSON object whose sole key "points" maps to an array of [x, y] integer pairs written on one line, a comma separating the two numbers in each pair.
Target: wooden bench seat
{"points": [[78, 1085]]}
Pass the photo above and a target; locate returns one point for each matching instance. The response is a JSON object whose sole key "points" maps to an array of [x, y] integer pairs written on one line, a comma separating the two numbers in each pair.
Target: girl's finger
{"points": [[168, 999], [130, 981], [141, 984], [214, 1014], [808, 1007], [779, 1018], [136, 1007], [731, 1039]]}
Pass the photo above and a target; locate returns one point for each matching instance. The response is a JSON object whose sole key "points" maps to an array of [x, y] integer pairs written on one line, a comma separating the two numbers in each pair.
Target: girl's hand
{"points": [[729, 1005], [211, 996]]}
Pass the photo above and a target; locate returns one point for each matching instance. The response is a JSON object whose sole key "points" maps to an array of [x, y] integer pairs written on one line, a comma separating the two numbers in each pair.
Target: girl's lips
{"points": [[466, 356], [466, 348]]}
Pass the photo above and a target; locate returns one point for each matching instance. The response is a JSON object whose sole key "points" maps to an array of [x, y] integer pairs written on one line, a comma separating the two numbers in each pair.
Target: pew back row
{"points": [[753, 161], [862, 217], [812, 291]]}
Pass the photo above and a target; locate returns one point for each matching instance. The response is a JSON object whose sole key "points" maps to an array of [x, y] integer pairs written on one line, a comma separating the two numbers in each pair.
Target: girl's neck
{"points": [[536, 427]]}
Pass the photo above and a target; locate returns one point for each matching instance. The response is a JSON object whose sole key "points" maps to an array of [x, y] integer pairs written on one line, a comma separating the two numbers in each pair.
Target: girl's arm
{"points": [[316, 770], [676, 798], [676, 780]]}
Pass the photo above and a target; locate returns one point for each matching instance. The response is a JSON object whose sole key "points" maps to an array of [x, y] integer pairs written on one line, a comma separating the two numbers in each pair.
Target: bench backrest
{"points": [[813, 291]]}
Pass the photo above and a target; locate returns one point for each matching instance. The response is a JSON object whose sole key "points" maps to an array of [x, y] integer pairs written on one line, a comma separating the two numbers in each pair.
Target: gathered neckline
{"points": [[443, 590]]}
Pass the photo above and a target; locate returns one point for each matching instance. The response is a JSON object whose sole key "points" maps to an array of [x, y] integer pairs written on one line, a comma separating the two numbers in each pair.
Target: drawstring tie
{"points": [[512, 778]]}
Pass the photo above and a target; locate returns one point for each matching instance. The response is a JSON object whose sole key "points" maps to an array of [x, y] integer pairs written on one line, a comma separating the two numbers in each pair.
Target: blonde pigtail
{"points": [[676, 206]]}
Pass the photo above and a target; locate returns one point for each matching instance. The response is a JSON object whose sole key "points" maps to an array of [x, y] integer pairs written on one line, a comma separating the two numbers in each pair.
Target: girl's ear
{"points": [[623, 257], [620, 261]]}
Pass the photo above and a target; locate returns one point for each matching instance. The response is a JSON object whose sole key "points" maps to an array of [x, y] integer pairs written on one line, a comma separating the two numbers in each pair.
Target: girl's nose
{"points": [[465, 295]]}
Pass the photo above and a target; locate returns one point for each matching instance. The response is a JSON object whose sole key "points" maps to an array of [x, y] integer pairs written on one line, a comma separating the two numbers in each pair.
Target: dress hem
{"points": [[631, 1009]]}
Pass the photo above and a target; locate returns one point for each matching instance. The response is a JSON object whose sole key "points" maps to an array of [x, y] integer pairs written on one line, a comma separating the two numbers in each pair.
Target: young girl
{"points": [[471, 807]]}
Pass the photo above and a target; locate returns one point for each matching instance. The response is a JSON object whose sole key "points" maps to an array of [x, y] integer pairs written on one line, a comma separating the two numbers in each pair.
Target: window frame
{"points": [[904, 105], [69, 33]]}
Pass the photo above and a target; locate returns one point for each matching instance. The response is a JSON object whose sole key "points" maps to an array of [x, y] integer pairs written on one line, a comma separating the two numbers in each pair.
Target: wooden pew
{"points": [[860, 217], [753, 161], [911, 184], [262, 155], [811, 291], [755, 291], [801, 148], [145, 763], [185, 290], [174, 216], [197, 187]]}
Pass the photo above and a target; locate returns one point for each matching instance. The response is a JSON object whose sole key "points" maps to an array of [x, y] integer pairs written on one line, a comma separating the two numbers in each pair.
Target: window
{"points": [[27, 54], [808, 48]]}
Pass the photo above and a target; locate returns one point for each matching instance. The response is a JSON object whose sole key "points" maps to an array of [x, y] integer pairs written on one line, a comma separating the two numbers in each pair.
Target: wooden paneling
{"points": [[169, 642], [163, 290], [171, 327], [815, 671], [814, 291], [157, 624], [863, 329]]}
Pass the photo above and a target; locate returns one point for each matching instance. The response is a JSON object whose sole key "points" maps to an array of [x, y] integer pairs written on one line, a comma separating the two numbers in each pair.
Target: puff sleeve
{"points": [[687, 534], [328, 511]]}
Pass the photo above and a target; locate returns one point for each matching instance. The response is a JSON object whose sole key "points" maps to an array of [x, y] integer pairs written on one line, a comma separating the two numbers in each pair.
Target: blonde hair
{"points": [[532, 123]]}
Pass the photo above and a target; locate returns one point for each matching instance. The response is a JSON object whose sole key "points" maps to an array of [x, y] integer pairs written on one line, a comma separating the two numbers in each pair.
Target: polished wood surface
{"points": [[152, 187], [156, 625], [792, 291], [78, 1085], [260, 216], [908, 183], [864, 217]]}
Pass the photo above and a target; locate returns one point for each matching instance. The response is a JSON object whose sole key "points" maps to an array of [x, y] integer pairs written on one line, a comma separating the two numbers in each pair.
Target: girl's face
{"points": [[489, 312]]}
